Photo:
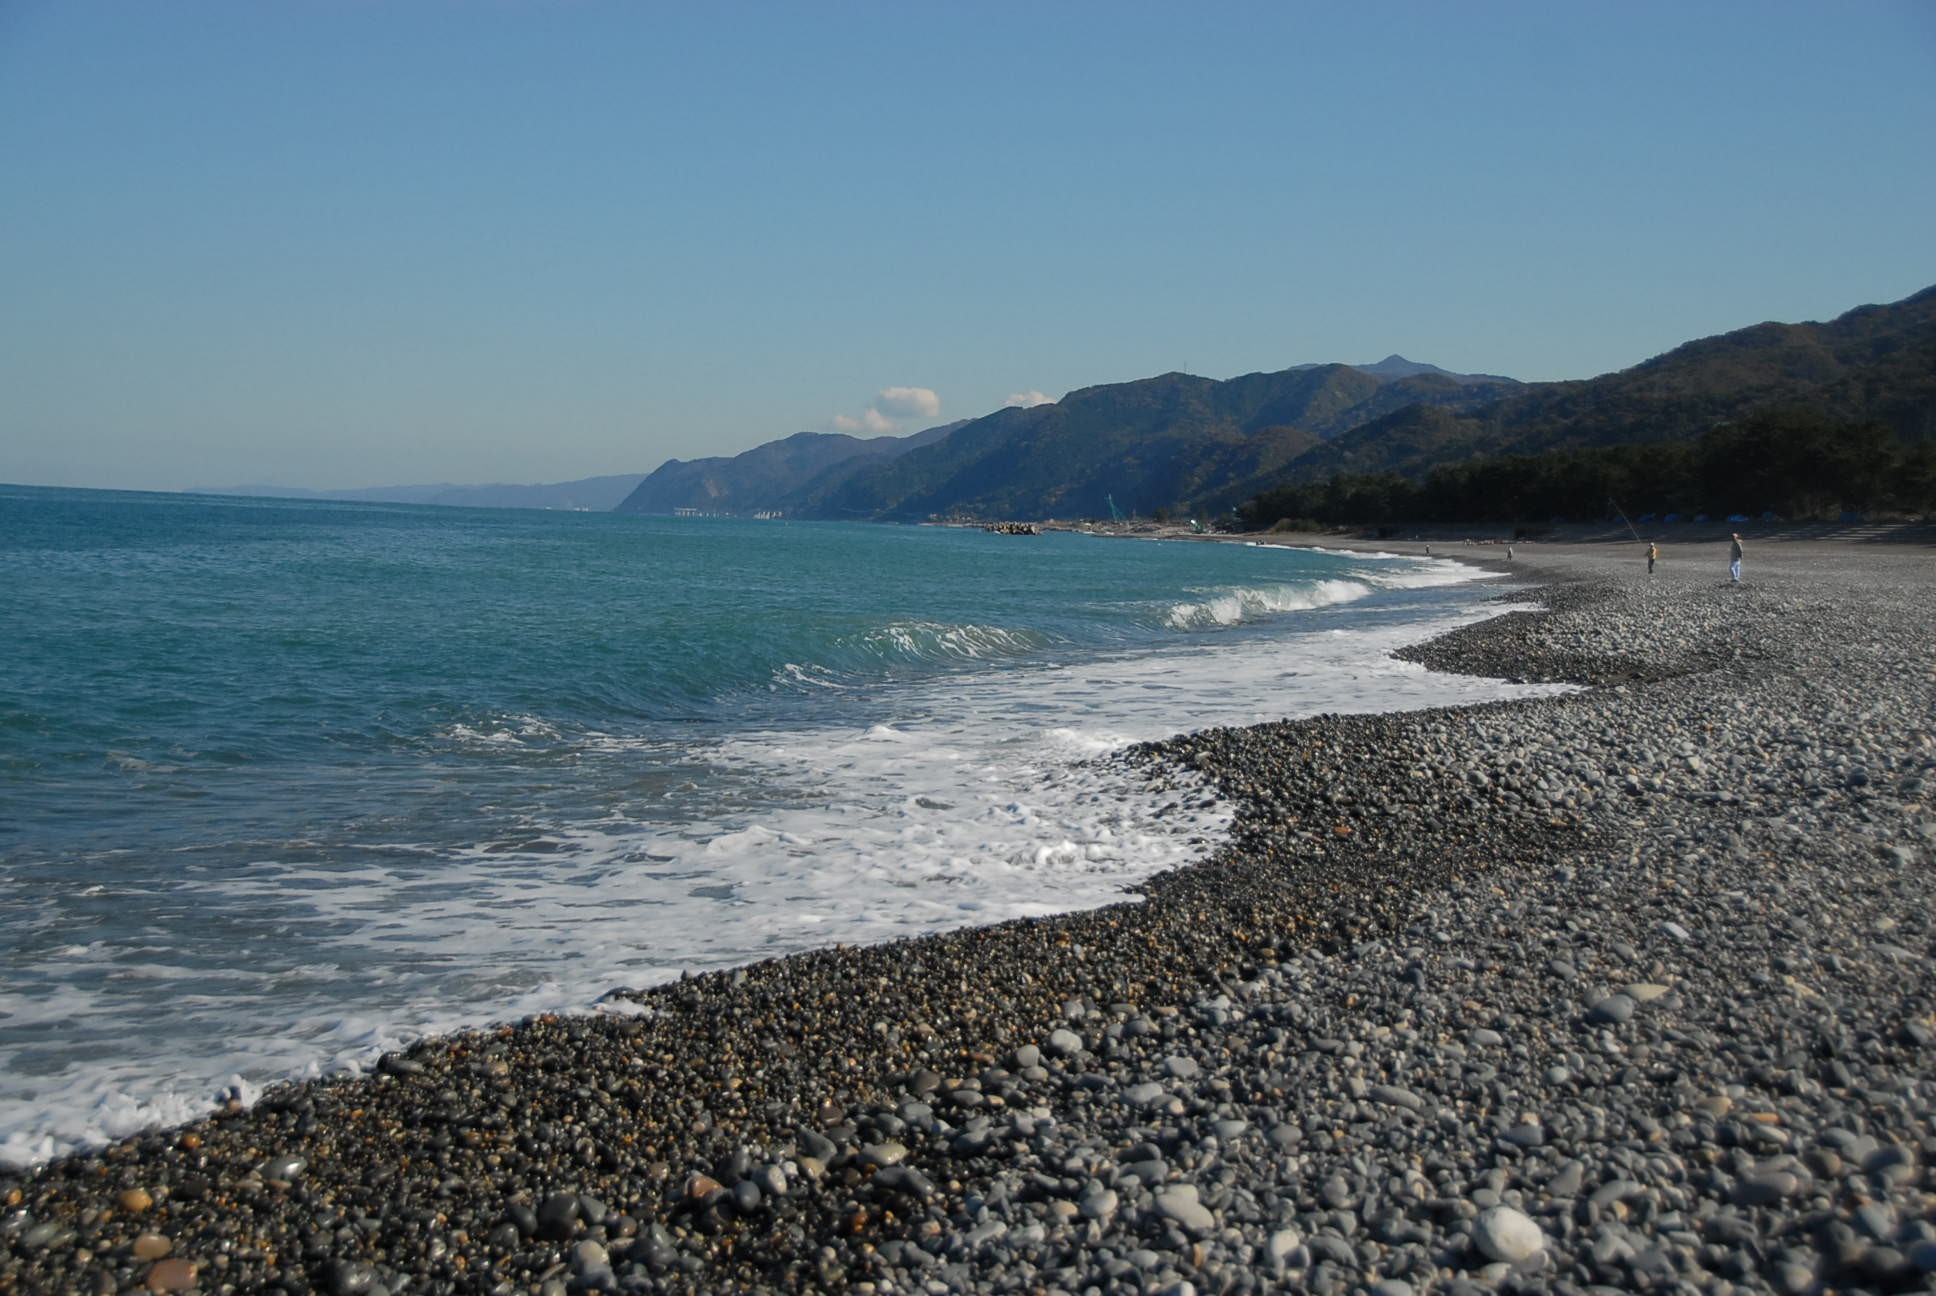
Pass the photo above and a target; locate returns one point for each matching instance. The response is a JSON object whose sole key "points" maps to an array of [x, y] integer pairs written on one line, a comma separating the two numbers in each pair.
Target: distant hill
{"points": [[778, 475], [1154, 443], [1397, 366], [1872, 363], [1181, 442], [590, 494]]}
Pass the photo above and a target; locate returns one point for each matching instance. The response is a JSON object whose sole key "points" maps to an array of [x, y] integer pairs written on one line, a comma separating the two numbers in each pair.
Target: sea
{"points": [[288, 784]]}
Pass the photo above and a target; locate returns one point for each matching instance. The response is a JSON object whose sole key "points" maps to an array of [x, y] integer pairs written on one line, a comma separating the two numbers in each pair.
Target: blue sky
{"points": [[341, 243]]}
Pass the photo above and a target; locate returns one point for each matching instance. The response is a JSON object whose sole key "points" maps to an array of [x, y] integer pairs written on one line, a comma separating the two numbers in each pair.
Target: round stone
{"points": [[1507, 1235], [347, 1278], [1766, 1188], [558, 1216], [284, 1168], [907, 1179], [1394, 1096], [1099, 1205], [171, 1276], [1612, 1010], [48, 1234], [1181, 1207], [883, 1154]]}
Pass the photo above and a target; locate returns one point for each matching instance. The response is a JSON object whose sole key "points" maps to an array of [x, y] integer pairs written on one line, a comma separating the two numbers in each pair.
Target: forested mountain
{"points": [[1154, 443], [1397, 366], [1778, 463], [774, 476], [1193, 444], [1873, 363], [1787, 420]]}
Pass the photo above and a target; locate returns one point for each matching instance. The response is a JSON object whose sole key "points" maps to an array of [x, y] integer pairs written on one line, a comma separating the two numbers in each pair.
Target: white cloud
{"points": [[1027, 400], [892, 407], [908, 402], [871, 421]]}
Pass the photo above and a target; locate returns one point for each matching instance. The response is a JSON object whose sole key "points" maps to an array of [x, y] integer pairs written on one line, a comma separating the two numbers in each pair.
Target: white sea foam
{"points": [[807, 676], [1410, 574], [1407, 571], [512, 731], [973, 804], [933, 640], [1235, 606]]}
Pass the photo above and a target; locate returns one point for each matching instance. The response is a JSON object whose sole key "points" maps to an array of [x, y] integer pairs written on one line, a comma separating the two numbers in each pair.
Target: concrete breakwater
{"points": [[1629, 989]]}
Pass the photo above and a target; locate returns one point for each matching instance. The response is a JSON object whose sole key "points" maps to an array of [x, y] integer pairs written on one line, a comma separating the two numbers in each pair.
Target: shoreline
{"points": [[1096, 835], [1276, 1025]]}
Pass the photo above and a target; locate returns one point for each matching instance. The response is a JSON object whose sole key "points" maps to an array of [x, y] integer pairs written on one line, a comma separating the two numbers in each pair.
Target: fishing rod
{"points": [[1623, 518]]}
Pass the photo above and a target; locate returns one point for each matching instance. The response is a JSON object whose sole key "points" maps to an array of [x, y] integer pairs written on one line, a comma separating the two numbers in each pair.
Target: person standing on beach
{"points": [[1734, 559], [1653, 552]]}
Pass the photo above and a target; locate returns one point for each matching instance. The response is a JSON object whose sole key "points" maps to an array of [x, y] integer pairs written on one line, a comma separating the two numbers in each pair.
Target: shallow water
{"points": [[284, 784]]}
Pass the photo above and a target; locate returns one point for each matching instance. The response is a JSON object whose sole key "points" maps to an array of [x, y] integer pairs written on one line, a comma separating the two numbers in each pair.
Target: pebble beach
{"points": [[1628, 989]]}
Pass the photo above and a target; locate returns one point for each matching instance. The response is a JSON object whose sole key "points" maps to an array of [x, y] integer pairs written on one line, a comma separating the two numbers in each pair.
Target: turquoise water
{"points": [[283, 783]]}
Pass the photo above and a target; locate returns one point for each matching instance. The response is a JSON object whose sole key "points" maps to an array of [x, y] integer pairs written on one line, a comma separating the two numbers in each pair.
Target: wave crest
{"points": [[929, 641], [1235, 606]]}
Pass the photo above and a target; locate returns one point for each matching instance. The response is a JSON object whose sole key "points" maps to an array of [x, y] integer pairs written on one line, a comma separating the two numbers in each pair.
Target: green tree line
{"points": [[1794, 463]]}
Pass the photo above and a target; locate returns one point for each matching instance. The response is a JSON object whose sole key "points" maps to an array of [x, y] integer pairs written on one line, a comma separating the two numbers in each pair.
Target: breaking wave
{"points": [[1235, 606]]}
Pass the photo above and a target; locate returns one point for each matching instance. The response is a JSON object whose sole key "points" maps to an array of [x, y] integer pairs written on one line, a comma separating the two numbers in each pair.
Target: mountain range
{"points": [[1134, 446], [1184, 443], [1874, 363], [771, 476]]}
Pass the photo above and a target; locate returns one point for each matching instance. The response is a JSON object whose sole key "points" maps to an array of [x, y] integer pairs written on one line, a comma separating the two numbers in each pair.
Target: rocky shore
{"points": [[1625, 990]]}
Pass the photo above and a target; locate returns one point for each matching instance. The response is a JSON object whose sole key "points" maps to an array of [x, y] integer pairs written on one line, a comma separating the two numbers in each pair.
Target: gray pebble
{"points": [[1614, 1010], [1180, 1205], [1505, 1234]]}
